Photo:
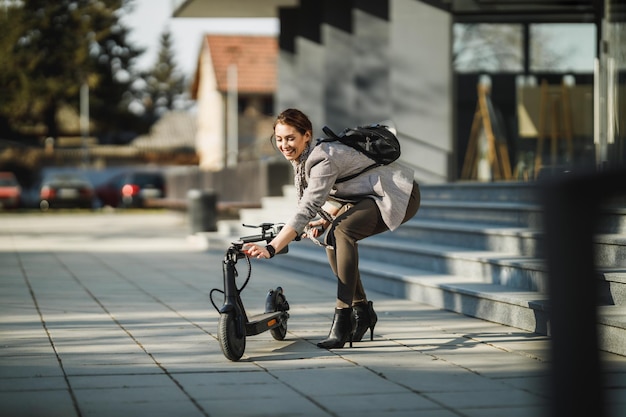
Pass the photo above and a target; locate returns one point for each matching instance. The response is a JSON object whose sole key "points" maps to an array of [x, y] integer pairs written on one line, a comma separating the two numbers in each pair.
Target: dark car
{"points": [[10, 191], [131, 189], [66, 190]]}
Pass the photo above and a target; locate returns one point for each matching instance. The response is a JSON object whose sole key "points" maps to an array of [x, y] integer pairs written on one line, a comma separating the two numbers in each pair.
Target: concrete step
{"points": [[507, 255], [495, 213], [508, 269], [514, 240], [512, 270], [279, 204], [613, 286], [610, 250], [612, 220], [518, 192], [497, 202]]}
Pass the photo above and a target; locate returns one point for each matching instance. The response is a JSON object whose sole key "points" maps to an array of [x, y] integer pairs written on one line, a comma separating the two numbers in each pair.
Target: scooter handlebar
{"points": [[268, 232]]}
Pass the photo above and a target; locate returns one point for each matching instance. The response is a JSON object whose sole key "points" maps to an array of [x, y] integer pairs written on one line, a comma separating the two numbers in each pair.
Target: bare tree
{"points": [[499, 47]]}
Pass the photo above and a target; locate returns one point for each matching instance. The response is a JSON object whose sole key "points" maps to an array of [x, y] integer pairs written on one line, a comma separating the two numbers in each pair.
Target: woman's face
{"points": [[290, 142]]}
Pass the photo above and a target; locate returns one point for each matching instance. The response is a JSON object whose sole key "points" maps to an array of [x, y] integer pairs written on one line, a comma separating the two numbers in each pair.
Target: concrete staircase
{"points": [[472, 248]]}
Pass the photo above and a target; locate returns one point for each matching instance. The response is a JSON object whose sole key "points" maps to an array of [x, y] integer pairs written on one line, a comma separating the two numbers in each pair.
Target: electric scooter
{"points": [[234, 324]]}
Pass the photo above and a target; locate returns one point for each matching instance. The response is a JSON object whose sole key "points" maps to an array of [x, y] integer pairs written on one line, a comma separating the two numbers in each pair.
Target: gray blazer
{"points": [[389, 186]]}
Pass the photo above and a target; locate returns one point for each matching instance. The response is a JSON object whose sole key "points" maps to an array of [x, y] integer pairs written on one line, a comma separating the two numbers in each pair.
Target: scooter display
{"points": [[234, 324]]}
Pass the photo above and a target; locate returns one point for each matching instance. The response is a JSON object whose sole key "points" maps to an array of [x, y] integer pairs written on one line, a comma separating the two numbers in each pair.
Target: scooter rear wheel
{"points": [[279, 333], [232, 345], [279, 302]]}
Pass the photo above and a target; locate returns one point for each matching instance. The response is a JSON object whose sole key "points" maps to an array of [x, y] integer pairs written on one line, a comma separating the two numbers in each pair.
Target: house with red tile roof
{"points": [[234, 88]]}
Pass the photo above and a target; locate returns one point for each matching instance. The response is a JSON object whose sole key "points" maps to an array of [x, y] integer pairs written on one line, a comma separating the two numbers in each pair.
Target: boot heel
{"points": [[366, 318]]}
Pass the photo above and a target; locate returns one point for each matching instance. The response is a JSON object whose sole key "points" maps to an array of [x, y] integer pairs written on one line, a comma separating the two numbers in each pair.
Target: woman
{"points": [[378, 200]]}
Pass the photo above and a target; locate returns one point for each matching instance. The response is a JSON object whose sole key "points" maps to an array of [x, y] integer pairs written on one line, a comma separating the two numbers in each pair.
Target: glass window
{"points": [[487, 47], [561, 47]]}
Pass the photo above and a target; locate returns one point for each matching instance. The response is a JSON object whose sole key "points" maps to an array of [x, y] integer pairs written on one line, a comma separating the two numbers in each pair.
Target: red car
{"points": [[131, 189], [10, 191]]}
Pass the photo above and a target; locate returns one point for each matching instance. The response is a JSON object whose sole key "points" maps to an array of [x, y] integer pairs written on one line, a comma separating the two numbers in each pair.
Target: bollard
{"points": [[202, 210]]}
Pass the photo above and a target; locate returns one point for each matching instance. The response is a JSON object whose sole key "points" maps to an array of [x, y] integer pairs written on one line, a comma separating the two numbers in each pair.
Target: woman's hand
{"points": [[277, 245], [317, 227], [256, 251]]}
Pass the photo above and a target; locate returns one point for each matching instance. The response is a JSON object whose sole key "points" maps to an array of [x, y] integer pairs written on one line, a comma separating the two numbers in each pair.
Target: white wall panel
{"points": [[421, 84]]}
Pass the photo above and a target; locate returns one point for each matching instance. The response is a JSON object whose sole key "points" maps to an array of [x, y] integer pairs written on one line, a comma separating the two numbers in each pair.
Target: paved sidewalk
{"points": [[108, 315]]}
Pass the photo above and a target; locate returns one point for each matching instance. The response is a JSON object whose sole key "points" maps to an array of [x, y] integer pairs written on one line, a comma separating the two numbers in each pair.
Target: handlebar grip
{"points": [[252, 238]]}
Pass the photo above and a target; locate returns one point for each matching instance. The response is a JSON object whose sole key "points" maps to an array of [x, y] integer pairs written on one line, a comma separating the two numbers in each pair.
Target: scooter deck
{"points": [[263, 322]]}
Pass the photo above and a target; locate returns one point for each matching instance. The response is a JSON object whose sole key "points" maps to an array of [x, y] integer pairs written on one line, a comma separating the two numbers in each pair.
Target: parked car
{"points": [[10, 191], [66, 190], [131, 189]]}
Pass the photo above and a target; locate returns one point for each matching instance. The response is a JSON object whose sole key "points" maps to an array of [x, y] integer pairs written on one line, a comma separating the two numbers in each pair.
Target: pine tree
{"points": [[51, 48], [165, 86], [12, 77]]}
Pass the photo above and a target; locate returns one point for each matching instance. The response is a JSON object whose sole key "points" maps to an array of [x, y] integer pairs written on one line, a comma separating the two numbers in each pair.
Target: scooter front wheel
{"points": [[232, 344]]}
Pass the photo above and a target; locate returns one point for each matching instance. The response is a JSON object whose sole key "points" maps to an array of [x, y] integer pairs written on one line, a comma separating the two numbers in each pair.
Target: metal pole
{"points": [[232, 140], [84, 120]]}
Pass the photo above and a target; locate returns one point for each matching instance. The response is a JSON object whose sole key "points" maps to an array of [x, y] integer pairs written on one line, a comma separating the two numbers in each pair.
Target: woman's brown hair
{"points": [[294, 118]]}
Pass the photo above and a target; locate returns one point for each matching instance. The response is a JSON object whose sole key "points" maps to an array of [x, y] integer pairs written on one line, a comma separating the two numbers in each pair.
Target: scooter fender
{"points": [[276, 301], [227, 308], [232, 309], [270, 302]]}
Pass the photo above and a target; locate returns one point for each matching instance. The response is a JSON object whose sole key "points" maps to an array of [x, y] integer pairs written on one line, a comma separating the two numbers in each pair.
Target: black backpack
{"points": [[375, 140]]}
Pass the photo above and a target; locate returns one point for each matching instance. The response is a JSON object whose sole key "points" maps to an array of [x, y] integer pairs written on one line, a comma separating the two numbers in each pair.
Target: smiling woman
{"points": [[370, 202]]}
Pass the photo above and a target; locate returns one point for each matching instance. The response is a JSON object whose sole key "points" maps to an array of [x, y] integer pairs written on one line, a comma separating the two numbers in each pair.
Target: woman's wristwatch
{"points": [[271, 250]]}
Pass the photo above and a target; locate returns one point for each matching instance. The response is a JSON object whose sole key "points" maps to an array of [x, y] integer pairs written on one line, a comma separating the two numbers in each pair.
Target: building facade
{"points": [[347, 62]]}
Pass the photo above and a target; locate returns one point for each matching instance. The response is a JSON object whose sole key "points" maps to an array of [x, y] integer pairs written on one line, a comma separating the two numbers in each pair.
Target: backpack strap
{"points": [[349, 177]]}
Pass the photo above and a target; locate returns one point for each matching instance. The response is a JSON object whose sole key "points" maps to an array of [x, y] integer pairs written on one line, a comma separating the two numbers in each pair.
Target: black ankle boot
{"points": [[341, 330], [366, 318]]}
